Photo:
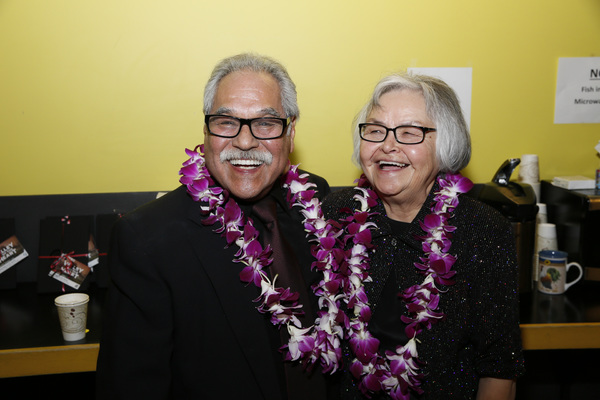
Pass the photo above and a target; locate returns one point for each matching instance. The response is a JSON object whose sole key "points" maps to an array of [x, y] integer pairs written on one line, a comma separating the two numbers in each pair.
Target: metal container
{"points": [[517, 202]]}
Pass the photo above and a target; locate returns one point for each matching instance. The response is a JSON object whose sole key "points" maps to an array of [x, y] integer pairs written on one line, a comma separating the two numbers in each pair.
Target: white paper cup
{"points": [[537, 189], [72, 314], [529, 170], [542, 215], [546, 237]]}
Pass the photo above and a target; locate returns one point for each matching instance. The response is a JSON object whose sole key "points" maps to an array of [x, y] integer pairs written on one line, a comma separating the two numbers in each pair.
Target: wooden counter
{"points": [[567, 321], [561, 336], [31, 341], [48, 360]]}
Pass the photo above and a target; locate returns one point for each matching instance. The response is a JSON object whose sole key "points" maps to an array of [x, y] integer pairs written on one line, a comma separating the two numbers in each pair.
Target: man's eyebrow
{"points": [[223, 110], [265, 111], [270, 111]]}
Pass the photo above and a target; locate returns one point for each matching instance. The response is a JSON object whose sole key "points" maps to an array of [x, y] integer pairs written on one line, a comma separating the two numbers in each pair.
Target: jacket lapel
{"points": [[236, 299]]}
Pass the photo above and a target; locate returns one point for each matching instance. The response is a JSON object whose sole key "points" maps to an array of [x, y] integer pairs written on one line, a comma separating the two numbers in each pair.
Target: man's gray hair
{"points": [[255, 63], [453, 143]]}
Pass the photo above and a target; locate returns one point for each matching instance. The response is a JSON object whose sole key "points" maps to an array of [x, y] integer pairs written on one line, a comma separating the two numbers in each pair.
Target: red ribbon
{"points": [[70, 254]]}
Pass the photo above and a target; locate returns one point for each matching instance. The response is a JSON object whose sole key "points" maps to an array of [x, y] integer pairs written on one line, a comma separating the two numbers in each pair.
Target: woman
{"points": [[437, 316]]}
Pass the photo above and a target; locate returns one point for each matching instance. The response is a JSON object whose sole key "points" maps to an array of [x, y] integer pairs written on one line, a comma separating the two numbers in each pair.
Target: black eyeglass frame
{"points": [[423, 129], [248, 121]]}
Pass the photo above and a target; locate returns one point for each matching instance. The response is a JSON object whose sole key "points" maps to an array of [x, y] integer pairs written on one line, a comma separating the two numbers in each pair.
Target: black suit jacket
{"points": [[179, 323]]}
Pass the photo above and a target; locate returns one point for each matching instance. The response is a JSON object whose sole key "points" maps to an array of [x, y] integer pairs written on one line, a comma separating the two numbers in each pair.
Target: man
{"points": [[179, 323]]}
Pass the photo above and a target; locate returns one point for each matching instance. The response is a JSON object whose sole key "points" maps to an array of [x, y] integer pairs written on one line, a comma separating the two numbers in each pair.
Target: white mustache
{"points": [[235, 154]]}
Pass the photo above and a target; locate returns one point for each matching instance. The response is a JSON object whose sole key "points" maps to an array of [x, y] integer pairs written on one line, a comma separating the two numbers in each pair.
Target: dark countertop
{"points": [[30, 319], [580, 304]]}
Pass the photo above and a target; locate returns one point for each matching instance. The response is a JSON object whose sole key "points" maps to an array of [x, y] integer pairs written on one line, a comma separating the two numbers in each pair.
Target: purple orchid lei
{"points": [[397, 373], [320, 342], [344, 274]]}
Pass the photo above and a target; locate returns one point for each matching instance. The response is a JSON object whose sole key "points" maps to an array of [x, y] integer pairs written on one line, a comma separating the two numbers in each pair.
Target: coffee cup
{"points": [[545, 239], [72, 314], [529, 170], [553, 272]]}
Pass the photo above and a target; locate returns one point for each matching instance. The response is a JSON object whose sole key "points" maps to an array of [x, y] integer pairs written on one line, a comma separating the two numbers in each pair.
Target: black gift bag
{"points": [[64, 254], [11, 253], [104, 226]]}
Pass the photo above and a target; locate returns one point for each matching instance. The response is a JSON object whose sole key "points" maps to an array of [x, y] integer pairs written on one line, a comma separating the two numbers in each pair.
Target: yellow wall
{"points": [[104, 95]]}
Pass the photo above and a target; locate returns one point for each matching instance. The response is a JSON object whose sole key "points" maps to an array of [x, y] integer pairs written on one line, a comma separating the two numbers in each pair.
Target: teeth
{"points": [[245, 163], [391, 164]]}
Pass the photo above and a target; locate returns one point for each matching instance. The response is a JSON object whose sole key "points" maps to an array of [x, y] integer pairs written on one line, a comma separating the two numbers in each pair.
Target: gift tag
{"points": [[11, 252], [69, 271], [93, 254]]}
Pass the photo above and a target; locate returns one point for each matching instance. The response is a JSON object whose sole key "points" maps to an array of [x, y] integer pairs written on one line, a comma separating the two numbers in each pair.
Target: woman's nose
{"points": [[390, 143]]}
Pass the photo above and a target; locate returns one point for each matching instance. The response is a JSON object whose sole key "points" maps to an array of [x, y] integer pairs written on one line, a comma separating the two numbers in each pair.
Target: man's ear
{"points": [[292, 135]]}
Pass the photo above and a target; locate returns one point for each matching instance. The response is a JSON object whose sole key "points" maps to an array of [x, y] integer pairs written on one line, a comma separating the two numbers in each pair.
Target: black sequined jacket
{"points": [[480, 335]]}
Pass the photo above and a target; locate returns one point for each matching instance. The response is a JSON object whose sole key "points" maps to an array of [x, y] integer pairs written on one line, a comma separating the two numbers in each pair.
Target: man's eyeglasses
{"points": [[261, 128], [404, 134]]}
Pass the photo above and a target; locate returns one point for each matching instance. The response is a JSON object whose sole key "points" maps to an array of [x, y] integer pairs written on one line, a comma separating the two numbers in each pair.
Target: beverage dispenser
{"points": [[517, 202]]}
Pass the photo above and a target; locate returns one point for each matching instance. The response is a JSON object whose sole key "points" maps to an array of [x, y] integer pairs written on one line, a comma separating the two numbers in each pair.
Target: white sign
{"points": [[577, 91], [459, 79]]}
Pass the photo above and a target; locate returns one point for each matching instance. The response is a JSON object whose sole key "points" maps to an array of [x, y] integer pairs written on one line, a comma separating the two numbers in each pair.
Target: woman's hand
{"points": [[496, 389]]}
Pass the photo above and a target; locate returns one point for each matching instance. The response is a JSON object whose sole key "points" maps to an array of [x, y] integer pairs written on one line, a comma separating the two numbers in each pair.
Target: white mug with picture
{"points": [[553, 272]]}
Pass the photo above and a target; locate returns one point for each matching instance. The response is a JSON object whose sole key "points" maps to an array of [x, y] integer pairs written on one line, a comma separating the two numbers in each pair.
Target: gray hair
{"points": [[453, 143], [255, 63]]}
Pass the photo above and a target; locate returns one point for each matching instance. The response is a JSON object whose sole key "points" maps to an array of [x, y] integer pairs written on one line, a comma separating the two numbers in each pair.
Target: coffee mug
{"points": [[553, 272]]}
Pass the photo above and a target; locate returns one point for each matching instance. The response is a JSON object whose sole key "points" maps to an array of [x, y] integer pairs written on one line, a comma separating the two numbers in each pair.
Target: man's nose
{"points": [[245, 140]]}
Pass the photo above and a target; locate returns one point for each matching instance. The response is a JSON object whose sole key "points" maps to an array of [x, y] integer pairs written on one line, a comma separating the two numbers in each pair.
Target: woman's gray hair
{"points": [[255, 63], [453, 143]]}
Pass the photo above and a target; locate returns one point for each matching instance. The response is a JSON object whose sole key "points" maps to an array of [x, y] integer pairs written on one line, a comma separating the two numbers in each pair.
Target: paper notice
{"points": [[577, 91], [459, 79]]}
